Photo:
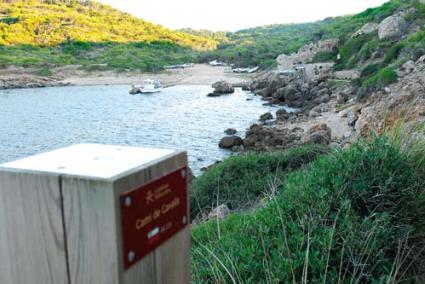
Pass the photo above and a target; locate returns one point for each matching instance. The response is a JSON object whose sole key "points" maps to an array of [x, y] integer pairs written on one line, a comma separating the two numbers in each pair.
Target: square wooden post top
{"points": [[90, 160]]}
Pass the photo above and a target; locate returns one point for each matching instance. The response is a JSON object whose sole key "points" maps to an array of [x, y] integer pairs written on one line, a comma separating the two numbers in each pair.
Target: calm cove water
{"points": [[182, 117]]}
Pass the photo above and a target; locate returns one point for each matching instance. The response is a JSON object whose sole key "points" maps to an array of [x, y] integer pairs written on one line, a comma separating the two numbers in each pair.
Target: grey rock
{"points": [[266, 116], [313, 114], [392, 27], [223, 87], [282, 114], [229, 142], [318, 134], [230, 131], [352, 117]]}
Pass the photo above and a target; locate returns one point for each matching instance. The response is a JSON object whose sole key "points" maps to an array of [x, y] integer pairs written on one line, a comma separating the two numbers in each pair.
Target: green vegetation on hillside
{"points": [[261, 45], [43, 33], [37, 32], [242, 180], [354, 216], [49, 23], [385, 55], [139, 55]]}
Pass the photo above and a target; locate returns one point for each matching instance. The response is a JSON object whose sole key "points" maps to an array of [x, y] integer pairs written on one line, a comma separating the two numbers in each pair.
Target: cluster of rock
{"points": [[404, 100], [307, 53], [284, 90], [29, 81], [262, 137], [221, 88], [392, 27]]}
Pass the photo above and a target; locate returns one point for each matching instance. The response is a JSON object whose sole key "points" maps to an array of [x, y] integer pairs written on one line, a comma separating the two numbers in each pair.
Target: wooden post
{"points": [[95, 214]]}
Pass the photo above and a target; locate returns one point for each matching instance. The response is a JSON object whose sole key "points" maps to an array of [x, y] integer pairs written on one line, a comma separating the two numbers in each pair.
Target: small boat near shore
{"points": [[146, 87]]}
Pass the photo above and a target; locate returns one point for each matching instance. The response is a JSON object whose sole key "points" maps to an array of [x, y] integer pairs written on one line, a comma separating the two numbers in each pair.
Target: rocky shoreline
{"points": [[26, 81]]}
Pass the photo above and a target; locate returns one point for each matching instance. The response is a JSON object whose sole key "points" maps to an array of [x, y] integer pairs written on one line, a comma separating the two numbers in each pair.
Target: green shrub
{"points": [[355, 216], [350, 49], [384, 77], [393, 53], [44, 72], [241, 180], [324, 56], [370, 70]]}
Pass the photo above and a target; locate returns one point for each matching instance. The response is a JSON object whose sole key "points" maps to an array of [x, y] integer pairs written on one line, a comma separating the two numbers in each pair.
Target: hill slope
{"points": [[45, 33], [261, 45], [35, 22]]}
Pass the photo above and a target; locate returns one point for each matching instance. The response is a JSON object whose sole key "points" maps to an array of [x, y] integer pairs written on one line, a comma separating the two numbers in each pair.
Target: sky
{"points": [[232, 15]]}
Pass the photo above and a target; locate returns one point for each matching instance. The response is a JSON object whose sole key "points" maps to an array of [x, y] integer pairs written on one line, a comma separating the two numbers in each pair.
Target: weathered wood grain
{"points": [[90, 231], [66, 227], [31, 242]]}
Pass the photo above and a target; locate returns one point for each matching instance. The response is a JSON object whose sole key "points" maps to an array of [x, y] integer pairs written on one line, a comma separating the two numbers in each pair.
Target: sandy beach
{"points": [[199, 74]]}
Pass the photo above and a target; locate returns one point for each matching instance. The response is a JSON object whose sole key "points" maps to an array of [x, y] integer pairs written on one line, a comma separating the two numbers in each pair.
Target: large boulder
{"points": [[282, 114], [265, 117], [229, 142], [223, 87], [318, 134], [266, 138], [392, 27]]}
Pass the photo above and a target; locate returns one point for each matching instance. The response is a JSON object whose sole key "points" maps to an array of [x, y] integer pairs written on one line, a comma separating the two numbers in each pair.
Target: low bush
{"points": [[354, 216], [241, 180], [384, 77], [324, 56], [44, 72], [370, 70], [393, 53]]}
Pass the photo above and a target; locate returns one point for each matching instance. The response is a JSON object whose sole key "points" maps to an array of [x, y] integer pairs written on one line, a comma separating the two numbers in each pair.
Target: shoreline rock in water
{"points": [[27, 81], [229, 142], [221, 88]]}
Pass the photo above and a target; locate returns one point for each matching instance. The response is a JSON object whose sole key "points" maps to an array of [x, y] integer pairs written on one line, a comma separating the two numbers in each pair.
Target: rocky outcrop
{"points": [[306, 53], [282, 115], [366, 29], [221, 88], [404, 101], [265, 138], [229, 142], [289, 91], [268, 138], [318, 134], [265, 117], [29, 81], [392, 27]]}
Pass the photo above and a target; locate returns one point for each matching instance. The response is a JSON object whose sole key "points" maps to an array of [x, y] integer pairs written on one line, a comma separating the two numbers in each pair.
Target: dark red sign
{"points": [[152, 214]]}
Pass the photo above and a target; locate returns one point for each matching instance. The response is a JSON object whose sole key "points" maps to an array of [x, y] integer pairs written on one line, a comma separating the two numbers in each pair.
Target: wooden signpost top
{"points": [[61, 217], [90, 160]]}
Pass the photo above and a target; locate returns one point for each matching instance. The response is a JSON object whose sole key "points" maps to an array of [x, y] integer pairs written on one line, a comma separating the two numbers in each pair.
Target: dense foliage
{"points": [[142, 56], [240, 181], [354, 216], [52, 32], [34, 32], [45, 23]]}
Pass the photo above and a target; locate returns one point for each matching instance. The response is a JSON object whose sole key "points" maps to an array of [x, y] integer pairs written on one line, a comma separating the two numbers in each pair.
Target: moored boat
{"points": [[146, 87]]}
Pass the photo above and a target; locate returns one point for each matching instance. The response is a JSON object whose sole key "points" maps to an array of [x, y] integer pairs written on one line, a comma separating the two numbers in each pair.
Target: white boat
{"points": [[147, 86], [217, 63]]}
